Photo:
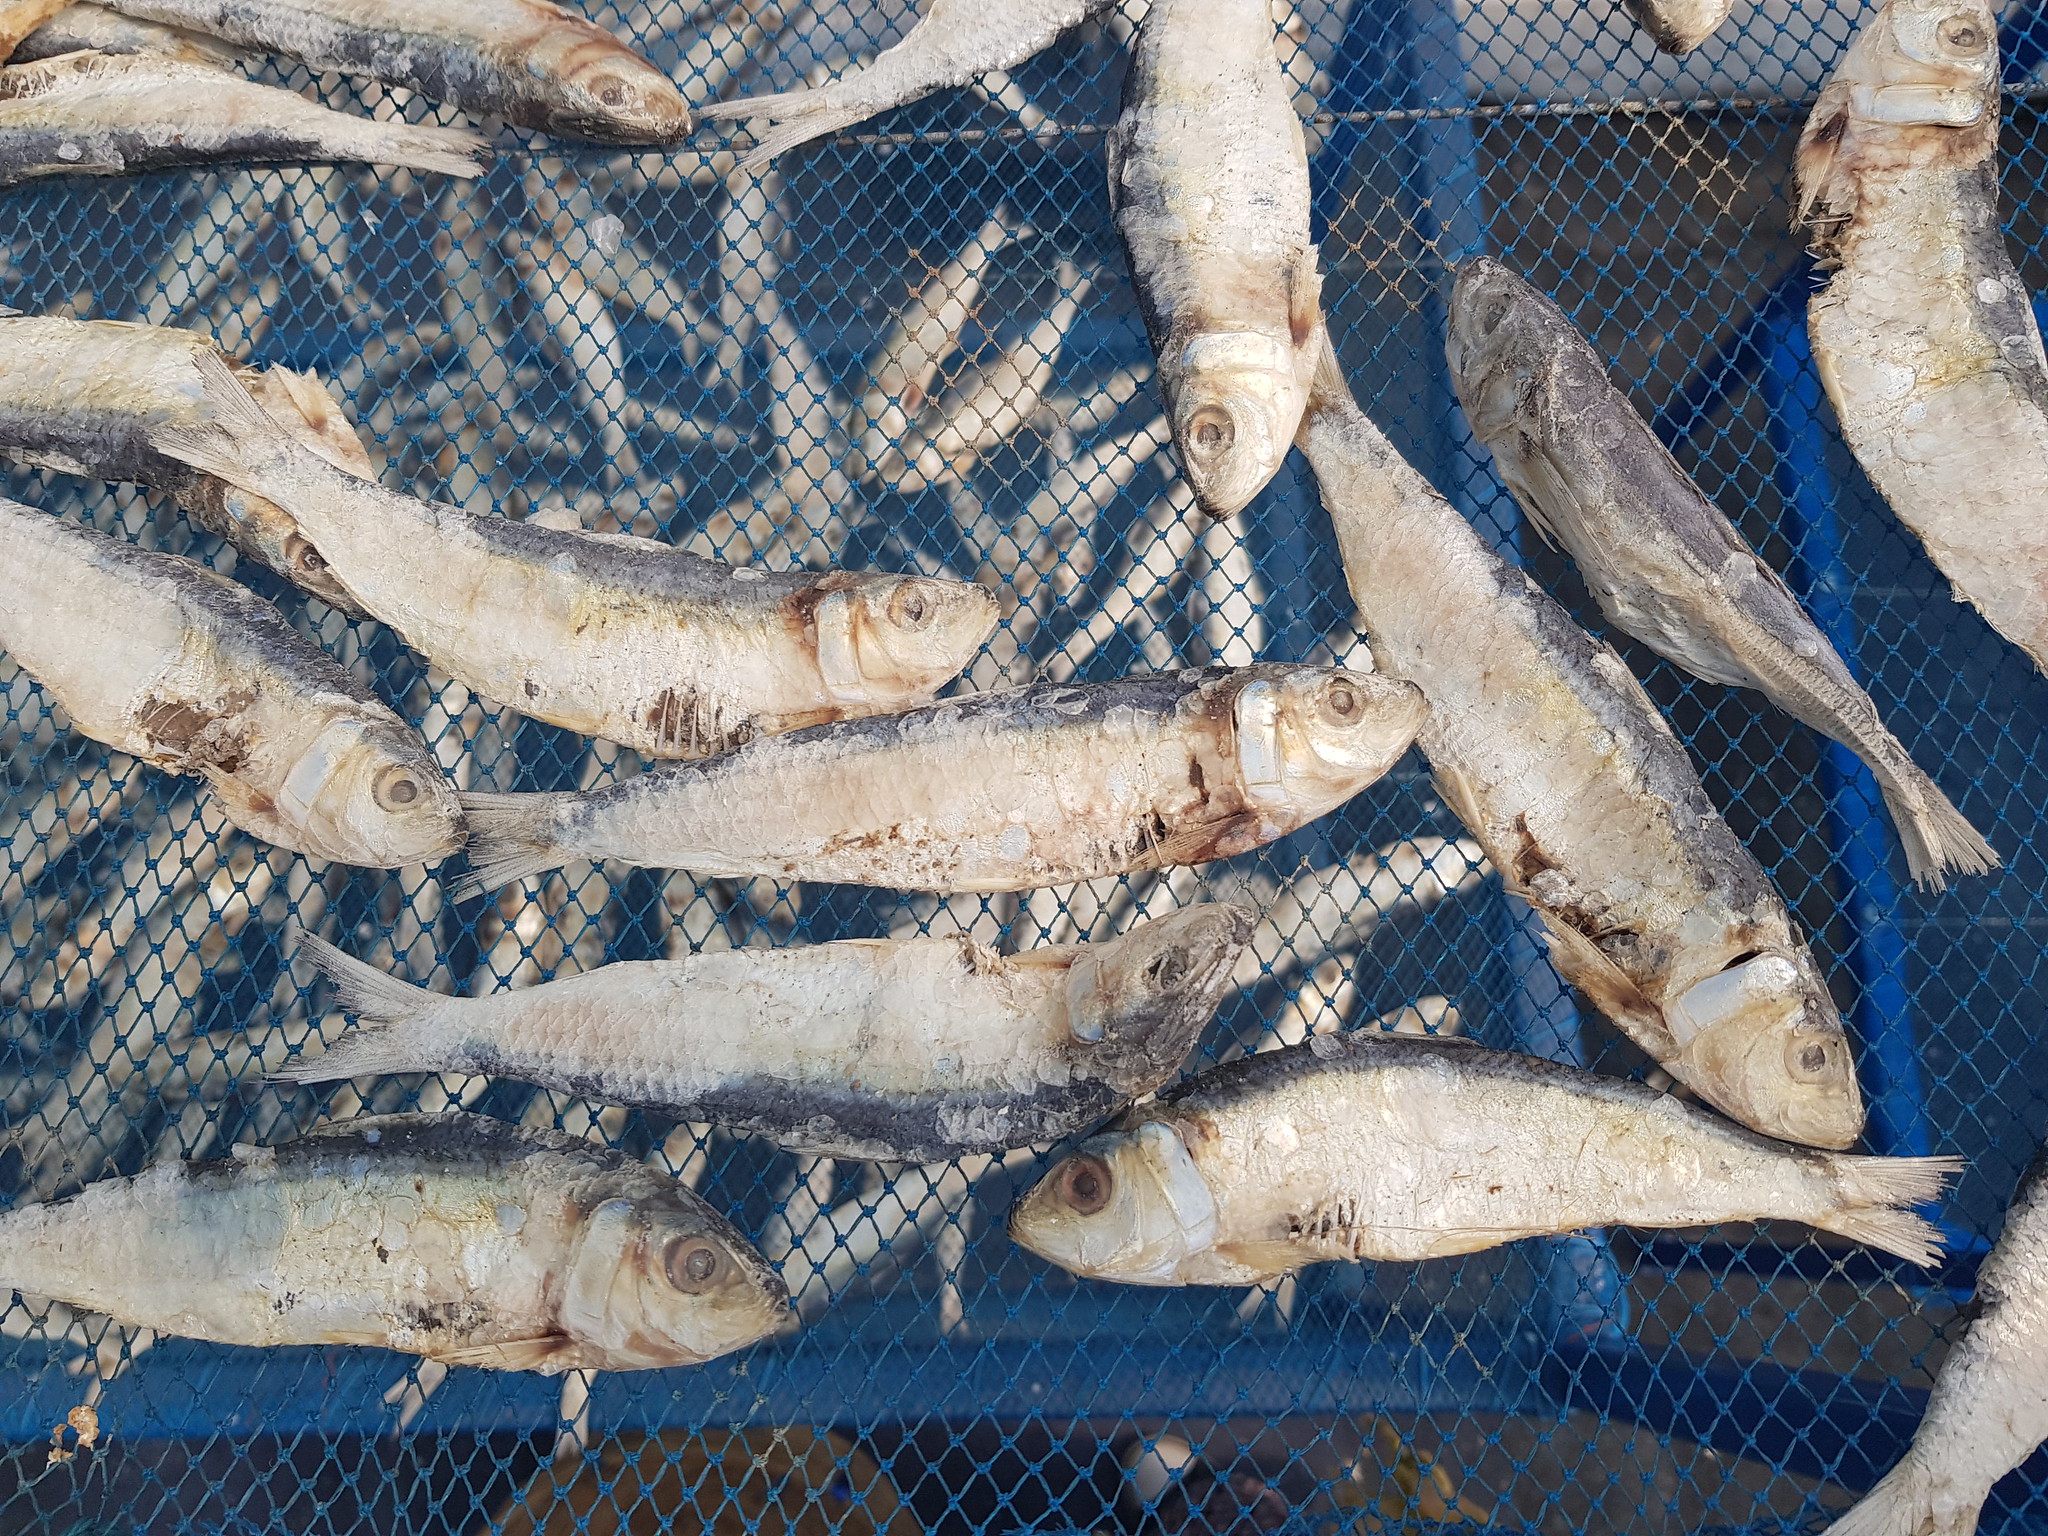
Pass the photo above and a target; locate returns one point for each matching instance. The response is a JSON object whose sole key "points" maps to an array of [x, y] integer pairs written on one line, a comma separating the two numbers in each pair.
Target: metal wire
{"points": [[915, 347]]}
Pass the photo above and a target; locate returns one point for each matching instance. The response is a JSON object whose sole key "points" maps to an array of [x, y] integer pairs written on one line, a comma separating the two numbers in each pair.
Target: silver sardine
{"points": [[1663, 562], [1988, 1411], [951, 43], [1390, 1147], [153, 654], [90, 114], [1548, 749], [527, 61], [1208, 183], [459, 1238], [1679, 26], [914, 1050], [1005, 791], [1925, 334], [609, 635], [87, 396]]}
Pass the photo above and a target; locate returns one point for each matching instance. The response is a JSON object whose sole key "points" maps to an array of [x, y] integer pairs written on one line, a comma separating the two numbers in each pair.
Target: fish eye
{"points": [[693, 1266], [1168, 969], [1961, 33], [397, 788], [306, 557], [1808, 1059], [1491, 313], [1085, 1184], [1212, 430], [1341, 704], [910, 607]]}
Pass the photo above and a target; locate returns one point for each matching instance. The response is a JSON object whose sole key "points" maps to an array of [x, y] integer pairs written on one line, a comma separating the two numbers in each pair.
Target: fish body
{"points": [[1209, 186], [1925, 335], [951, 43], [914, 1050], [1005, 791], [609, 635], [1550, 752], [94, 28], [153, 654], [1989, 1407], [87, 396], [1679, 26], [455, 1237], [1392, 1147], [529, 62], [91, 114], [1664, 563]]}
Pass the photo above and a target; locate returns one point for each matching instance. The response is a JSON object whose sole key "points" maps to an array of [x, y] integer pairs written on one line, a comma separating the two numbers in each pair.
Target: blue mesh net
{"points": [[915, 347]]}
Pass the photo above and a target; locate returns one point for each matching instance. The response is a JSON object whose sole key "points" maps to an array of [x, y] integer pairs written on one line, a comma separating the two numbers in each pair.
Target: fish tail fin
{"points": [[378, 1000], [240, 432], [372, 995], [814, 123], [1938, 838], [510, 837], [781, 104], [422, 147], [1875, 1195], [1902, 1504]]}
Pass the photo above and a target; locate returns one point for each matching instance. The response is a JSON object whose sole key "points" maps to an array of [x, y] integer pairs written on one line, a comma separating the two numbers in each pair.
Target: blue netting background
{"points": [[916, 348]]}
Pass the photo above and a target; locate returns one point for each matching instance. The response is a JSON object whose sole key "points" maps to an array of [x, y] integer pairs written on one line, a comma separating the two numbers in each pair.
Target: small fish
{"points": [[1208, 183], [155, 655], [1390, 1147], [1006, 791], [1925, 334], [1989, 1407], [529, 62], [1679, 26], [87, 396], [952, 42], [609, 635], [89, 114], [94, 28], [1546, 747], [910, 1051], [1664, 563], [451, 1236]]}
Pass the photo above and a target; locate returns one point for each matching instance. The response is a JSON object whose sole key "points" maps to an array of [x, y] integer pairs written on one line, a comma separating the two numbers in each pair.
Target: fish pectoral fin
{"points": [[549, 1353], [1458, 794], [1547, 499], [1586, 966], [1254, 1263], [1201, 843], [1304, 297]]}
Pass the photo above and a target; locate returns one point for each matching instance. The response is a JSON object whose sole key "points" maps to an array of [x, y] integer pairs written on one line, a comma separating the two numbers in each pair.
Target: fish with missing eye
{"points": [[1005, 791]]}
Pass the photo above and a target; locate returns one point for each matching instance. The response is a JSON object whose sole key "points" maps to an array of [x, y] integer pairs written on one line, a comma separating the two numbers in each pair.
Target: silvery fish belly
{"points": [[529, 62], [1925, 335], [1548, 749], [463, 1239], [1208, 182], [91, 114], [86, 397], [96, 28], [1003, 791], [1989, 1407], [911, 1050], [1388, 1147], [951, 42], [1679, 26], [1663, 562], [153, 654], [609, 635]]}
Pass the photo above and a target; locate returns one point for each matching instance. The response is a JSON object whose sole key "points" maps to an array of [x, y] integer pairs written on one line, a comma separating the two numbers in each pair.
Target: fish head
{"points": [[367, 792], [1315, 736], [1137, 1003], [658, 1278], [1500, 326], [1128, 1205], [604, 91], [1762, 1041], [892, 642], [1237, 401]]}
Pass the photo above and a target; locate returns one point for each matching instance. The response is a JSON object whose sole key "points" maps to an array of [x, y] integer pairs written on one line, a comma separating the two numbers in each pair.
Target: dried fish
{"points": [[462, 1239], [901, 1050], [1664, 563], [155, 655], [1549, 751], [1384, 1146], [607, 634], [1003, 791], [91, 114], [1679, 26]]}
